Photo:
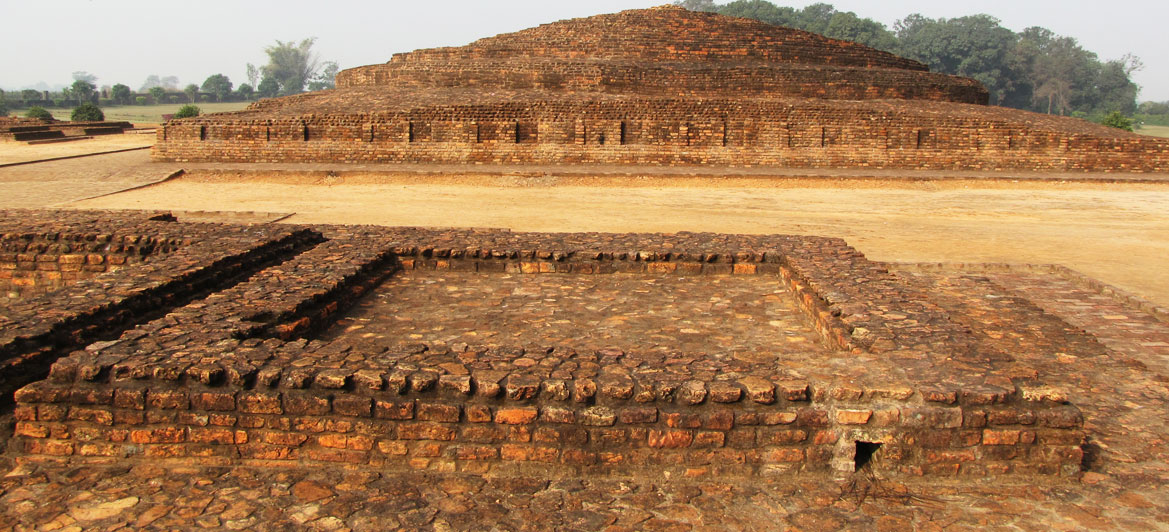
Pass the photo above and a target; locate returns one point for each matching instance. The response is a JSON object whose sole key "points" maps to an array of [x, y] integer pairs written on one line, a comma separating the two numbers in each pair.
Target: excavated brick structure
{"points": [[496, 352], [662, 86], [34, 129]]}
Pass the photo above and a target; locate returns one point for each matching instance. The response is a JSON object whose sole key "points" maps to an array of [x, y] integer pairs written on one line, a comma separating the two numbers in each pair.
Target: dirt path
{"points": [[1116, 233], [15, 152]]}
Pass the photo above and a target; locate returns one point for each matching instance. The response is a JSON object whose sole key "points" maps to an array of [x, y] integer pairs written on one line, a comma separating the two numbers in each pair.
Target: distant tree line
{"points": [[292, 68], [1035, 69]]}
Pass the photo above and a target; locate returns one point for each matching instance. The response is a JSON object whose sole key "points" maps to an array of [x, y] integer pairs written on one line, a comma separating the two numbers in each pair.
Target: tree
{"points": [[1114, 89], [292, 65], [1117, 120], [3, 104], [697, 5], [817, 18], [326, 78], [268, 88], [153, 80], [1154, 108], [848, 26], [253, 74], [975, 46], [157, 93], [121, 94], [85, 76], [760, 10], [192, 91], [245, 91], [188, 111], [87, 112], [82, 90], [38, 112], [1061, 72], [30, 95], [219, 85]]}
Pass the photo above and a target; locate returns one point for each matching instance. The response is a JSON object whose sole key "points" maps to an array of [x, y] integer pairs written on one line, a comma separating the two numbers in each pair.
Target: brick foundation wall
{"points": [[32, 265], [806, 135], [473, 424], [238, 372]]}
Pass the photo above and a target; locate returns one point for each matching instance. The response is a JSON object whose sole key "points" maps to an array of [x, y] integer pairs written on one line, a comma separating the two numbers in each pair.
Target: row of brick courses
{"points": [[432, 431], [33, 264], [674, 79], [792, 136]]}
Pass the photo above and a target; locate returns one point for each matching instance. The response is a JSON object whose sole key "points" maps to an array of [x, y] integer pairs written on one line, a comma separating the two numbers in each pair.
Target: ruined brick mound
{"points": [[492, 351], [662, 86]]}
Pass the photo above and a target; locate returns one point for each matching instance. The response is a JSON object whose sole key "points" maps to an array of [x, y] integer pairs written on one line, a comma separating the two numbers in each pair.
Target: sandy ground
{"points": [[13, 152], [1118, 233], [46, 184]]}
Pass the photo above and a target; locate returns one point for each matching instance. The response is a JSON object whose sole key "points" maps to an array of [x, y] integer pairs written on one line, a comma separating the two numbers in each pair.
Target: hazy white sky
{"points": [[123, 41]]}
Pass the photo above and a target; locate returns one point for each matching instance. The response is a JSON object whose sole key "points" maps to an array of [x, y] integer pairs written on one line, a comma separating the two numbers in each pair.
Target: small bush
{"points": [[37, 111], [140, 100], [188, 111], [1117, 120], [87, 112]]}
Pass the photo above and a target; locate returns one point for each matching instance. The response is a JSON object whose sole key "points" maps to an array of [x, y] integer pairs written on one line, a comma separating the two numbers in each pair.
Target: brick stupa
{"points": [[661, 86]]}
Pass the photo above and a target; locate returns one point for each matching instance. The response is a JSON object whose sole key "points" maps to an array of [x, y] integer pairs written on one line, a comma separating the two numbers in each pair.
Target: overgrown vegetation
{"points": [[188, 111], [1118, 121], [87, 112], [38, 112], [1035, 69], [292, 68]]}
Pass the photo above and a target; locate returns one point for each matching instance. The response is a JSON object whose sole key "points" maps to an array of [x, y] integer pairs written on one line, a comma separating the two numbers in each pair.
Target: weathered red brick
{"points": [[670, 439], [437, 412], [425, 431]]}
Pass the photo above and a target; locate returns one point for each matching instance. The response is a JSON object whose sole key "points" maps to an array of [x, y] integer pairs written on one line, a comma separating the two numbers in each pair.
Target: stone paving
{"points": [[693, 315]]}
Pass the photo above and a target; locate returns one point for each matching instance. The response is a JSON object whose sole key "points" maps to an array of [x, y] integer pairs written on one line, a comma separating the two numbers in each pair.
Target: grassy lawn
{"points": [[151, 114], [1154, 131]]}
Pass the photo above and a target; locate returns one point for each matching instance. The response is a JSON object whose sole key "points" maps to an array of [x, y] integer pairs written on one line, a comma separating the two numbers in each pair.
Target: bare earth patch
{"points": [[15, 152], [1115, 232]]}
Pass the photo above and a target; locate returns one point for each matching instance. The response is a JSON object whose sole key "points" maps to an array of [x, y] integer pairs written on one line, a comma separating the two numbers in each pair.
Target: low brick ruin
{"points": [[36, 130], [495, 352], [662, 86]]}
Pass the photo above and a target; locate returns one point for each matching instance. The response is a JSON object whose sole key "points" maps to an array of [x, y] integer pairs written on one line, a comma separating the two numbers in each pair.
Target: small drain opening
{"points": [[864, 454]]}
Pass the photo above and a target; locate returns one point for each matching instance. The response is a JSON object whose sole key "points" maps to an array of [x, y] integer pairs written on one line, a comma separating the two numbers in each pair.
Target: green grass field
{"points": [[1154, 131], [150, 114]]}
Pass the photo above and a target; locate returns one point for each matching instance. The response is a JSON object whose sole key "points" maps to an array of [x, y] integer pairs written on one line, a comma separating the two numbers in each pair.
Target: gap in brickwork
{"points": [[865, 452]]}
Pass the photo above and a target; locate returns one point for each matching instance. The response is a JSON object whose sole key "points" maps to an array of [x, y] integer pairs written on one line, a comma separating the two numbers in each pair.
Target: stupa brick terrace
{"points": [[495, 352], [658, 86]]}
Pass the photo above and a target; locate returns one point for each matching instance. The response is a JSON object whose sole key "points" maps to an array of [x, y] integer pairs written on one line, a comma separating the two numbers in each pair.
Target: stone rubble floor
{"points": [[1122, 388], [731, 314]]}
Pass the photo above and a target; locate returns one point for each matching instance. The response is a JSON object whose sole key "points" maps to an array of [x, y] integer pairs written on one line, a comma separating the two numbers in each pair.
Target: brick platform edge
{"points": [[1119, 295], [229, 374]]}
